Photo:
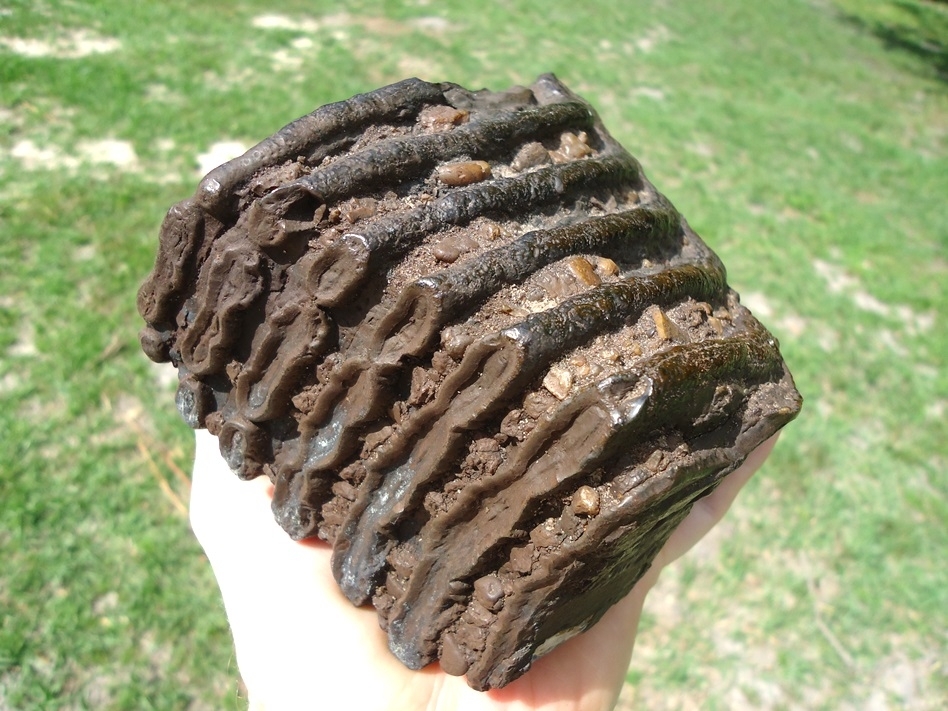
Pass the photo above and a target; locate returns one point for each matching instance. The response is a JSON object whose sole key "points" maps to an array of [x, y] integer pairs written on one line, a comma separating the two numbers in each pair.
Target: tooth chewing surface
{"points": [[473, 348]]}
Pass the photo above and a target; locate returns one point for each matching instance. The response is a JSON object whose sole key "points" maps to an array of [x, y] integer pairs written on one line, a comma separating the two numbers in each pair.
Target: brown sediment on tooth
{"points": [[437, 299], [358, 387], [192, 225], [491, 372], [582, 435], [473, 348], [348, 259], [393, 161], [571, 588]]}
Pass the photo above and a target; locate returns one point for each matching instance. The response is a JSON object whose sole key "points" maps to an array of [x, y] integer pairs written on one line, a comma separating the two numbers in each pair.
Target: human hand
{"points": [[301, 645]]}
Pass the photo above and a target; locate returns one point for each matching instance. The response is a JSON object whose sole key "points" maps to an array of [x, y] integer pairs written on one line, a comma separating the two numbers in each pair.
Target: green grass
{"points": [[806, 141]]}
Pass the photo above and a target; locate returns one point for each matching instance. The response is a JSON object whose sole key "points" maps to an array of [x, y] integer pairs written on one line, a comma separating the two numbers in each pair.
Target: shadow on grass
{"points": [[921, 30]]}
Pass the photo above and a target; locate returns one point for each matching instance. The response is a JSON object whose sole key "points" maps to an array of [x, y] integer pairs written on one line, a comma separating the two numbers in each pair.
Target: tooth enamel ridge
{"points": [[474, 349]]}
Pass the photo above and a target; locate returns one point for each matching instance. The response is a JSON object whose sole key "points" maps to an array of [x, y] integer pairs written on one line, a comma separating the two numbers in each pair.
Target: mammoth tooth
{"points": [[473, 348], [360, 547], [423, 307], [194, 399], [429, 303], [245, 447]]}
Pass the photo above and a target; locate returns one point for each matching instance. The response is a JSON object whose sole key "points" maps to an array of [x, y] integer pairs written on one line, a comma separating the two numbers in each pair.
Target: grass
{"points": [[803, 141]]}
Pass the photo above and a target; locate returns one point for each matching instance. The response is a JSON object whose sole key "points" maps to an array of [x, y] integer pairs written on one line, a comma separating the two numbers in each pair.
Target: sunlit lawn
{"points": [[805, 142]]}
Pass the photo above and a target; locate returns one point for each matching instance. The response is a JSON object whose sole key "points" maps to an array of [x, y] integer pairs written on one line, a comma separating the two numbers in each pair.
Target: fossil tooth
{"points": [[473, 348]]}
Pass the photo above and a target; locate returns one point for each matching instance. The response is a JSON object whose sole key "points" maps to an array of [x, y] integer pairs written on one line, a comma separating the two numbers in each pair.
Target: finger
{"points": [[221, 504], [290, 623]]}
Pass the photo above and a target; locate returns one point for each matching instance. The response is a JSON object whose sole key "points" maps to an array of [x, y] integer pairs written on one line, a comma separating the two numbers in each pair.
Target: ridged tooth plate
{"points": [[473, 348]]}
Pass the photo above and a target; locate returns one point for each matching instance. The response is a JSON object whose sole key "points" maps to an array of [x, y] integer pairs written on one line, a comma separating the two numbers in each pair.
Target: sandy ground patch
{"points": [[9, 383], [648, 92], [343, 20], [74, 44], [758, 304], [652, 38], [354, 30], [219, 153], [839, 281], [25, 344], [423, 67], [165, 375], [34, 157], [102, 152], [108, 151], [284, 22]]}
